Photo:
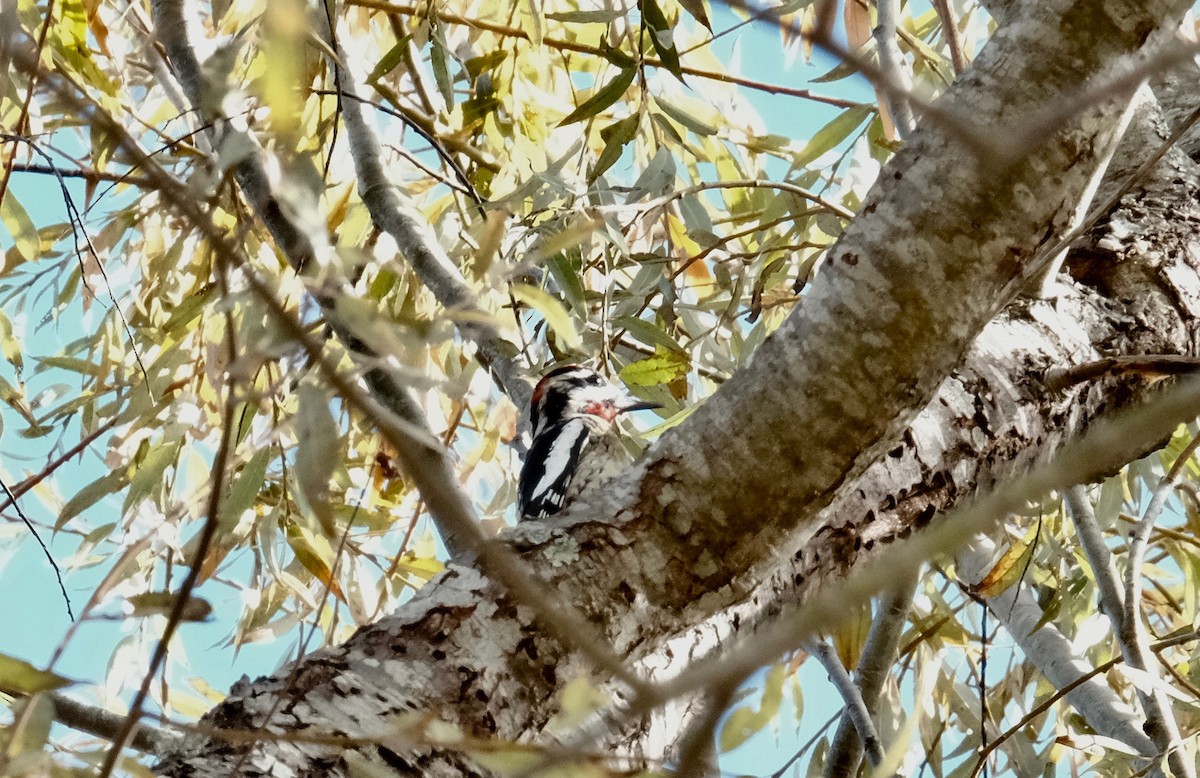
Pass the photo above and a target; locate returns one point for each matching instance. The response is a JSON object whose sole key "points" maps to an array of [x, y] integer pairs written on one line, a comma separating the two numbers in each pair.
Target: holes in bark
{"points": [[489, 723], [529, 647], [626, 591], [925, 516], [869, 544], [399, 649], [798, 580], [392, 759], [439, 654], [549, 675]]}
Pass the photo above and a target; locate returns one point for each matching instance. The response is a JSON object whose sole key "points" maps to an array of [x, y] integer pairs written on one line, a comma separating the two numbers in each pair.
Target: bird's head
{"points": [[574, 391]]}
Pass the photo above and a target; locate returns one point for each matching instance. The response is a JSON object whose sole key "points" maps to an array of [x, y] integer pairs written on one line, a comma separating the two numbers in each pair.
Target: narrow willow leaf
{"points": [[552, 311], [661, 37], [698, 10], [162, 603], [318, 454], [1010, 567], [18, 677], [390, 60], [246, 488], [603, 98], [615, 136], [90, 495], [26, 242], [833, 133]]}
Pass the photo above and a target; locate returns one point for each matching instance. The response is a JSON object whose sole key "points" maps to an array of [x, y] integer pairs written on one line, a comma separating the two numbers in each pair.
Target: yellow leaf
{"points": [[552, 311], [1010, 567]]}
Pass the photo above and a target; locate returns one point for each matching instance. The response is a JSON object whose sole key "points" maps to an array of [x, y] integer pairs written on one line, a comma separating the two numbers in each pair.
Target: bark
{"points": [[830, 461]]}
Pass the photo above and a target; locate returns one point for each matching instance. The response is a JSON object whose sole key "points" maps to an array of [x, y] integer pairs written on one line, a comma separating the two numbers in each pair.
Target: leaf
{"points": [[615, 136], [26, 241], [18, 677], [389, 61], [1010, 567], [9, 346], [746, 721], [686, 118], [315, 553], [552, 311], [697, 10], [648, 333], [318, 454], [161, 604], [665, 366], [603, 98], [832, 134], [661, 37], [245, 488], [90, 495]]}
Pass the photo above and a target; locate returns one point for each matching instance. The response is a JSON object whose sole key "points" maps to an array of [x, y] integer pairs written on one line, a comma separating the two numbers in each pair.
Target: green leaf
{"points": [[744, 722], [565, 270], [615, 136], [318, 454], [246, 488], [603, 98], [661, 37], [664, 367], [90, 495], [26, 241], [647, 333], [161, 603], [697, 10], [388, 62], [686, 118], [552, 311], [833, 133], [439, 61], [18, 677]]}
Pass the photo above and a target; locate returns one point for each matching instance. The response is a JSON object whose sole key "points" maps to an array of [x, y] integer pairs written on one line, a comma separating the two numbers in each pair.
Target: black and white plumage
{"points": [[575, 446]]}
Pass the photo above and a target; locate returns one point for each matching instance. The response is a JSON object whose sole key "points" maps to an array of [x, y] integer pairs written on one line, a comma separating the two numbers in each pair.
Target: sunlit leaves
{"points": [[19, 677], [603, 98]]}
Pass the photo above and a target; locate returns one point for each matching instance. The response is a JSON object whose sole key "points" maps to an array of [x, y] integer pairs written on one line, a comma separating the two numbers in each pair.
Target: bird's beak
{"points": [[636, 405]]}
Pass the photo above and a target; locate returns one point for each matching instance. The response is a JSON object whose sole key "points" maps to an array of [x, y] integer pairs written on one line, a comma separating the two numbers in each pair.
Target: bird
{"points": [[576, 446]]}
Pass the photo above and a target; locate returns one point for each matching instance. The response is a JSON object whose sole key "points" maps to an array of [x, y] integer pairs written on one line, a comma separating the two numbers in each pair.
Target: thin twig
{"points": [[958, 58], [564, 45], [12, 500], [77, 222]]}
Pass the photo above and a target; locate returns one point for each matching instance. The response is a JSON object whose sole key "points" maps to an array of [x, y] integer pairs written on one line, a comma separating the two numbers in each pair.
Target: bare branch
{"points": [[856, 709], [874, 664], [1132, 637], [891, 64], [105, 724]]}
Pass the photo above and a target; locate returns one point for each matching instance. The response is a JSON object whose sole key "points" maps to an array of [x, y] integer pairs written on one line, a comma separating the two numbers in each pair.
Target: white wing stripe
{"points": [[558, 458]]}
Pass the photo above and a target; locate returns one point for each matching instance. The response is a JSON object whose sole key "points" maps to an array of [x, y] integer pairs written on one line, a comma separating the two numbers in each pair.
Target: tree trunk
{"points": [[818, 453]]}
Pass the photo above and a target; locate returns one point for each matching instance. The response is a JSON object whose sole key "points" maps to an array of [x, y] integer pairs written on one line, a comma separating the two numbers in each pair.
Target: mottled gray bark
{"points": [[815, 452]]}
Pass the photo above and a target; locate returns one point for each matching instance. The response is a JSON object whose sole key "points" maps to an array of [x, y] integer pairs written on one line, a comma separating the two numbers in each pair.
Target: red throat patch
{"points": [[605, 410]]}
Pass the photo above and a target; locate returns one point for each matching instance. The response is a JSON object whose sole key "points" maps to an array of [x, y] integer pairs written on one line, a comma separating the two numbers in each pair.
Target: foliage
{"points": [[609, 191]]}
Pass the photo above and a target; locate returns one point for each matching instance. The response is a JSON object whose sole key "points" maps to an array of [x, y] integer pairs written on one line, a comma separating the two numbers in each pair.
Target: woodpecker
{"points": [[576, 445]]}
